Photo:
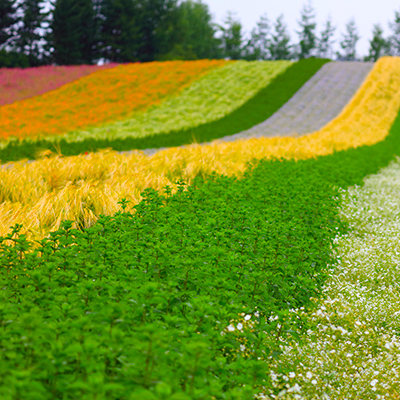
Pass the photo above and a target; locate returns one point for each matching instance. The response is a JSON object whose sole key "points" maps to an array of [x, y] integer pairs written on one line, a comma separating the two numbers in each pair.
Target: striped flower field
{"points": [[194, 256]]}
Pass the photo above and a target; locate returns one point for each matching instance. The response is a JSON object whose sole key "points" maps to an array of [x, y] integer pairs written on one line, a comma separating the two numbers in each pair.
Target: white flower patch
{"points": [[352, 350]]}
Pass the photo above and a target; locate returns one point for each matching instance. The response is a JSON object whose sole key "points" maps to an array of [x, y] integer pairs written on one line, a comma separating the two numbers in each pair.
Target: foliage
{"points": [[307, 36], [18, 84], [231, 37], [196, 39], [8, 19], [157, 25], [257, 46], [325, 42], [13, 59], [257, 109], [379, 46], [32, 30], [42, 193], [394, 38], [349, 41], [73, 32], [104, 96], [119, 34], [279, 47]]}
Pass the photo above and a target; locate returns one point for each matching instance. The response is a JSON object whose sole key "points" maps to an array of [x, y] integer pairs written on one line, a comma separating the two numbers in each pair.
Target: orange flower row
{"points": [[104, 96], [18, 84]]}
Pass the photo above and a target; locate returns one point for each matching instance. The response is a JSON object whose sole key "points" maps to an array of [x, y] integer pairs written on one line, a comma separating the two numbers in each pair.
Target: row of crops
{"points": [[255, 268]]}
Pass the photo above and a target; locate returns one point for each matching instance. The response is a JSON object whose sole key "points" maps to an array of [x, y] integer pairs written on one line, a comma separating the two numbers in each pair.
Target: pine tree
{"points": [[349, 41], [196, 33], [8, 19], [257, 46], [379, 46], [157, 21], [325, 42], [119, 34], [395, 36], [279, 47], [307, 35], [232, 37], [32, 31], [73, 32]]}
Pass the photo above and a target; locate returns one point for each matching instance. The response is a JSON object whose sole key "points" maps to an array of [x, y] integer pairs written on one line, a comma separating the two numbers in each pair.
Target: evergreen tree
{"points": [[307, 35], [8, 19], [32, 30], [157, 21], [379, 46], [73, 32], [119, 34], [196, 33], [349, 41], [395, 36], [325, 42], [279, 47], [232, 37], [257, 46]]}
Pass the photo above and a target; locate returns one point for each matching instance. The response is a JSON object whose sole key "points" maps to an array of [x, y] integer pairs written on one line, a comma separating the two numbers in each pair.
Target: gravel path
{"points": [[320, 100]]}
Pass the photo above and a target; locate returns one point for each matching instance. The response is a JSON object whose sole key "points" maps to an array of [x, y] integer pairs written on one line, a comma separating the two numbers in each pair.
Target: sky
{"points": [[366, 14]]}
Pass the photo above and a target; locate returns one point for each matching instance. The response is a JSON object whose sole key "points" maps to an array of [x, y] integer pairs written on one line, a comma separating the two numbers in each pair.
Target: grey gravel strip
{"points": [[319, 100]]}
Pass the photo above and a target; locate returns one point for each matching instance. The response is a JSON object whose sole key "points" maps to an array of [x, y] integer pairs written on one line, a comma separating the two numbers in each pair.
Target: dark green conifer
{"points": [[73, 32]]}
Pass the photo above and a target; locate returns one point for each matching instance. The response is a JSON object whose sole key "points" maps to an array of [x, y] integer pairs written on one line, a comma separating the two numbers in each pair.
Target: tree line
{"points": [[73, 32]]}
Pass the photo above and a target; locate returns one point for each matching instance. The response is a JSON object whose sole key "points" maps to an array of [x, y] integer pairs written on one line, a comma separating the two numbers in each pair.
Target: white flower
{"points": [[239, 326], [230, 328], [292, 374], [374, 382], [247, 317], [308, 375], [294, 389]]}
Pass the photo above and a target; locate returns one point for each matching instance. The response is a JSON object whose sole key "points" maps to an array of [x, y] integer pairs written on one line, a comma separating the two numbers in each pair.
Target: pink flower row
{"points": [[19, 84]]}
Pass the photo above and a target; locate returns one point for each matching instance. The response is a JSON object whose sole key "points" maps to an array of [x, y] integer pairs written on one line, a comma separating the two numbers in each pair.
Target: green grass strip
{"points": [[260, 107]]}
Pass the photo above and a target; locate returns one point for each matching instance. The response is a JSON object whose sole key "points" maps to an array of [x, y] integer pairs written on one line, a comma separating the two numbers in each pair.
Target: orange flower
{"points": [[104, 96]]}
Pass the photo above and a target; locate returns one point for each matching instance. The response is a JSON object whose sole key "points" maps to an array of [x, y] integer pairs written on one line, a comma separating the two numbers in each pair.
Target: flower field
{"points": [[105, 96], [261, 105], [18, 84], [257, 268]]}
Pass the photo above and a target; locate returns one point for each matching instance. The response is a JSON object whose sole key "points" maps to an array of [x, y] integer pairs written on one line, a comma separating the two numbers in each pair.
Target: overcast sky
{"points": [[365, 12]]}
